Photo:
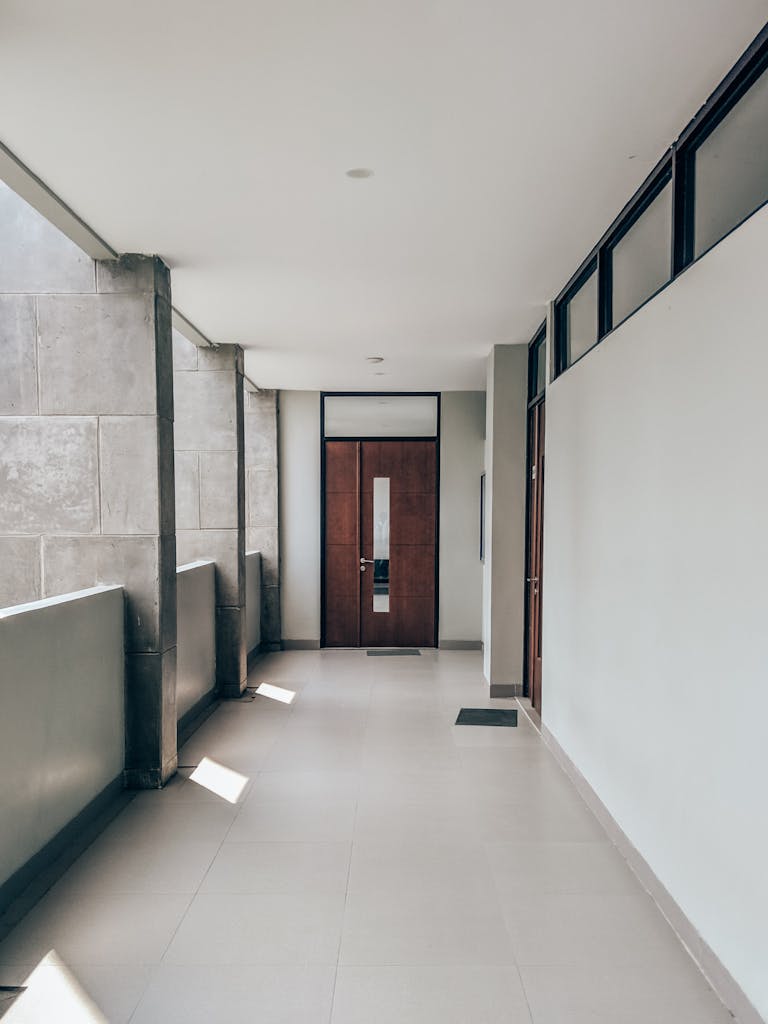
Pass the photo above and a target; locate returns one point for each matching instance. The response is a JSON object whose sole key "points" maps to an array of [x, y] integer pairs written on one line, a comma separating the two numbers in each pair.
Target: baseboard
{"points": [[710, 965], [33, 879], [191, 720], [461, 645], [301, 645], [506, 689]]}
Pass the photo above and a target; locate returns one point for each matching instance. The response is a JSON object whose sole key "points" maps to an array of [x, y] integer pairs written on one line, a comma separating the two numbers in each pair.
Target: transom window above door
{"points": [[380, 415]]}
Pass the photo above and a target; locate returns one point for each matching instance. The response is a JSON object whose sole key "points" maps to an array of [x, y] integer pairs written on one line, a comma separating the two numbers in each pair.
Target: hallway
{"points": [[381, 865]]}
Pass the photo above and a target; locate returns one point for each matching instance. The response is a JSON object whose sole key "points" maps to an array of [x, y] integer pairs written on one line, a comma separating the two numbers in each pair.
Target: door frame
{"points": [[435, 437], [538, 405], [535, 399]]}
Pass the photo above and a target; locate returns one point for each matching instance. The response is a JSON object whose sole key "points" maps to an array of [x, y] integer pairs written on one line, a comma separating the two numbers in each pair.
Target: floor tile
{"points": [[232, 995], [424, 928], [302, 819], [54, 989], [315, 785], [279, 868], [147, 867], [388, 866], [102, 930], [559, 867], [296, 928], [429, 995], [386, 819], [622, 995], [166, 822], [622, 928]]}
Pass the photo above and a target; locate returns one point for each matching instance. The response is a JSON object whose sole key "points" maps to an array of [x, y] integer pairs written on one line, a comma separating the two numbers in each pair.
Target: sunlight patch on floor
{"points": [[275, 693], [53, 993], [223, 781]]}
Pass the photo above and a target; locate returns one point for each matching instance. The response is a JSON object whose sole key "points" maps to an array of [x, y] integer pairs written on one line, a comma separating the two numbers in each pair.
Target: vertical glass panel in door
{"points": [[381, 543]]}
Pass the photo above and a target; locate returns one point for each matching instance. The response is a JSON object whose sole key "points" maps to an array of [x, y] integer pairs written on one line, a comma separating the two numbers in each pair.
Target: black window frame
{"points": [[649, 191], [590, 266], [751, 66], [677, 166], [537, 347]]}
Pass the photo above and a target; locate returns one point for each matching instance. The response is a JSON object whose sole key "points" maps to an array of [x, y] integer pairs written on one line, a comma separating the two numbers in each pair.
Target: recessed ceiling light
{"points": [[374, 359], [359, 172]]}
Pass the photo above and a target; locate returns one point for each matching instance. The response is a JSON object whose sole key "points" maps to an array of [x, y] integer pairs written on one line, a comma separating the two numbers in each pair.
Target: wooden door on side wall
{"points": [[535, 550], [380, 543]]}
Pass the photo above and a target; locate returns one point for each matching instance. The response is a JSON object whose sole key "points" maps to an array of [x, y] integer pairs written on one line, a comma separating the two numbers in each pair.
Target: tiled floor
{"points": [[382, 865]]}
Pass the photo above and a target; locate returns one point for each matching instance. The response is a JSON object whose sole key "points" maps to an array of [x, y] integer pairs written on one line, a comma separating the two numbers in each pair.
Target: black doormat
{"points": [[486, 716], [396, 652]]}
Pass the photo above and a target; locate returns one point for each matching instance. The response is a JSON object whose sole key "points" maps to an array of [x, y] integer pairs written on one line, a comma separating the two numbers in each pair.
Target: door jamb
{"points": [[434, 437]]}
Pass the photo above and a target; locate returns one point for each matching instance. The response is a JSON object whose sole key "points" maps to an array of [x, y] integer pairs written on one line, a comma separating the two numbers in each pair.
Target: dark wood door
{"points": [[372, 601], [535, 550]]}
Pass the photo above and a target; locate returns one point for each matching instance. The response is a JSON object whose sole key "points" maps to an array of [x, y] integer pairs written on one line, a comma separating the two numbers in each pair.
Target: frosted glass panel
{"points": [[381, 416], [581, 319], [731, 169], [381, 543], [642, 260]]}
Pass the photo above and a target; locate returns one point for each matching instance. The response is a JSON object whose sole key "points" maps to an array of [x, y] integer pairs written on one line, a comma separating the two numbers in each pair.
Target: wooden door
{"points": [[535, 551], [372, 601], [342, 544]]}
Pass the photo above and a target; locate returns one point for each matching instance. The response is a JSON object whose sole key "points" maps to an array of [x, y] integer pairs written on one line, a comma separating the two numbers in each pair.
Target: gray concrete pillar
{"points": [[210, 489], [261, 487], [505, 500], [86, 453]]}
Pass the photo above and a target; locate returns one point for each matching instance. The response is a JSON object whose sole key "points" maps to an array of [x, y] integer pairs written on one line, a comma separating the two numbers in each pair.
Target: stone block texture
{"points": [[86, 451], [210, 489], [262, 488]]}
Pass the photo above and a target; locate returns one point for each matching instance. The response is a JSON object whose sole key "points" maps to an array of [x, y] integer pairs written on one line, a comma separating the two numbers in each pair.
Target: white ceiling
{"points": [[505, 135]]}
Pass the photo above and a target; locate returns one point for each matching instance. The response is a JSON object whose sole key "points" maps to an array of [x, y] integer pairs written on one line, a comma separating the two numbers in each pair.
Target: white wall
{"points": [[655, 666], [195, 634], [62, 726], [462, 454], [299, 454], [505, 497], [252, 600], [461, 463]]}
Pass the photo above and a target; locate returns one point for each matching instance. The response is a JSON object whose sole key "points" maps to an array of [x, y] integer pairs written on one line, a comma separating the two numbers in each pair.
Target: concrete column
{"points": [[86, 453], [505, 500], [210, 489], [261, 487]]}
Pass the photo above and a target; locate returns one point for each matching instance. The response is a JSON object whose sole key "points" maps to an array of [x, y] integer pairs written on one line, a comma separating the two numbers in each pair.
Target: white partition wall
{"points": [[655, 663]]}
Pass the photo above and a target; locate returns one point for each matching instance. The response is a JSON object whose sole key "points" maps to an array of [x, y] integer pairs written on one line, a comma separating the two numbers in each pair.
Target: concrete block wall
{"points": [[262, 509], [86, 452], [210, 489]]}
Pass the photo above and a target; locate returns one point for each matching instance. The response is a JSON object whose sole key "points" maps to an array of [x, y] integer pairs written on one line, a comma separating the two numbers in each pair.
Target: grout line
{"points": [[351, 854], [98, 476]]}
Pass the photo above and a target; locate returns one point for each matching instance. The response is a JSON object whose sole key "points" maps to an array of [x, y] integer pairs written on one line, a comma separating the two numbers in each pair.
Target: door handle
{"points": [[370, 561], [531, 579]]}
